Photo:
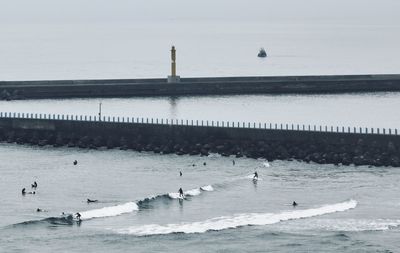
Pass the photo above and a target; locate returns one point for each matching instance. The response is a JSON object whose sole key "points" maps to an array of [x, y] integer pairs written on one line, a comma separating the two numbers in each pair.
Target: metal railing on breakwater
{"points": [[204, 123]]}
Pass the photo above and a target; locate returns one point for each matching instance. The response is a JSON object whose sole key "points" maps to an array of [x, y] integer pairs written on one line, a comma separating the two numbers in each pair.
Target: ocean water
{"points": [[340, 209], [347, 110]]}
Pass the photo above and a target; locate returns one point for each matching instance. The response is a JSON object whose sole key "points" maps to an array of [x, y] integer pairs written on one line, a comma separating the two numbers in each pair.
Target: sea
{"points": [[138, 207]]}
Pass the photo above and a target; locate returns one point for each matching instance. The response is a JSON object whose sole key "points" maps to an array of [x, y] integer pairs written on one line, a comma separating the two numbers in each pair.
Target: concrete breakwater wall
{"points": [[334, 145], [197, 86]]}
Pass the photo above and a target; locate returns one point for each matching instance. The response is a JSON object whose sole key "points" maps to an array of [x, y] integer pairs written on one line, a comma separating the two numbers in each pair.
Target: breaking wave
{"points": [[109, 211], [69, 219], [239, 220]]}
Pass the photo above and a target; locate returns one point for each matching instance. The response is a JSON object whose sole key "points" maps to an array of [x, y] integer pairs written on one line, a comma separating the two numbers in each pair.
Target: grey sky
{"points": [[88, 11]]}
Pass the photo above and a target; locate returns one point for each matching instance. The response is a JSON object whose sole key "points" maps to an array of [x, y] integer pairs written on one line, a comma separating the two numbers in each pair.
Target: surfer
{"points": [[78, 216], [92, 200], [40, 210], [75, 162], [255, 176], [180, 173], [23, 191], [181, 193], [233, 162], [34, 185], [294, 204], [204, 163]]}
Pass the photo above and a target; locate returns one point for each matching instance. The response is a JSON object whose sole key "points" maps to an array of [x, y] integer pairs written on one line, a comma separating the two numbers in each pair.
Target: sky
{"points": [[89, 11]]}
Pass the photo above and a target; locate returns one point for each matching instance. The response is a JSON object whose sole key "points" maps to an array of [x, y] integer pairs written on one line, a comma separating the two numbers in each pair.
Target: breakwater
{"points": [[319, 144], [197, 86]]}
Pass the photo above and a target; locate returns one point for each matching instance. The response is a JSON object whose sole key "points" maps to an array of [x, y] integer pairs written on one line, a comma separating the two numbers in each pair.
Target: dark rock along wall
{"points": [[308, 146]]}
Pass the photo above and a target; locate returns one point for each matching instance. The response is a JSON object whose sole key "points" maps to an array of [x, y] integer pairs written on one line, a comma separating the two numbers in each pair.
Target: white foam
{"points": [[226, 222], [109, 211], [251, 176], [266, 164], [174, 195], [193, 192], [207, 188]]}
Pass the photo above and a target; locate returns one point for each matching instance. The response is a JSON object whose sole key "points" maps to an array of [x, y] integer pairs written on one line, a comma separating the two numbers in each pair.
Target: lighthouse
{"points": [[173, 78]]}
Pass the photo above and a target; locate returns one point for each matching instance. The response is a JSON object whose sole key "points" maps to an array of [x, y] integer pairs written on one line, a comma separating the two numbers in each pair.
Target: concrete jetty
{"points": [[197, 86], [319, 144]]}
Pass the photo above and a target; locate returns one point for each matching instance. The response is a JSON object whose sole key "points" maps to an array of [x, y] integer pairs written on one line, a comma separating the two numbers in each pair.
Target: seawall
{"points": [[320, 144], [198, 86]]}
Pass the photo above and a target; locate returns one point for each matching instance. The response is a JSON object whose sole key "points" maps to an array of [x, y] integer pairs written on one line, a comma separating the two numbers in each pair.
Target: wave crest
{"points": [[240, 220]]}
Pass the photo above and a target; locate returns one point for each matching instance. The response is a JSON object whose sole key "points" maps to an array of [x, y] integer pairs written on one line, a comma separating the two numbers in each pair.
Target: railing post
{"points": [[390, 131], [297, 127], [395, 131], [265, 125], [372, 130], [377, 131], [248, 125], [384, 131]]}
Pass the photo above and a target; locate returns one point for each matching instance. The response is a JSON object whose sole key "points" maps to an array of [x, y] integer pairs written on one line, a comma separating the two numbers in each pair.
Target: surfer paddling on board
{"points": [[255, 176], [91, 200], [181, 193]]}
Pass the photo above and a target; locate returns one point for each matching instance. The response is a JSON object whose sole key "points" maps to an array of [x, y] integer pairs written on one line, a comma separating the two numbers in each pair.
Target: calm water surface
{"points": [[355, 110]]}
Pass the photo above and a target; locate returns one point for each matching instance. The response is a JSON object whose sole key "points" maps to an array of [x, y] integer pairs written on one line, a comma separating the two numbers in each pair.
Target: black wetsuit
{"points": [[180, 192]]}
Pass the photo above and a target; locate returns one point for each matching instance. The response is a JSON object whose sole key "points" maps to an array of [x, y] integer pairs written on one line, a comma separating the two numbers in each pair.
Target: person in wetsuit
{"points": [[255, 175], [294, 204], [75, 162], [181, 193], [92, 200], [23, 191], [180, 173], [34, 185], [78, 216]]}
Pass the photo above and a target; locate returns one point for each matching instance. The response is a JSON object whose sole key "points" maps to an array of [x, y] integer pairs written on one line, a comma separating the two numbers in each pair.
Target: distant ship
{"points": [[262, 53]]}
